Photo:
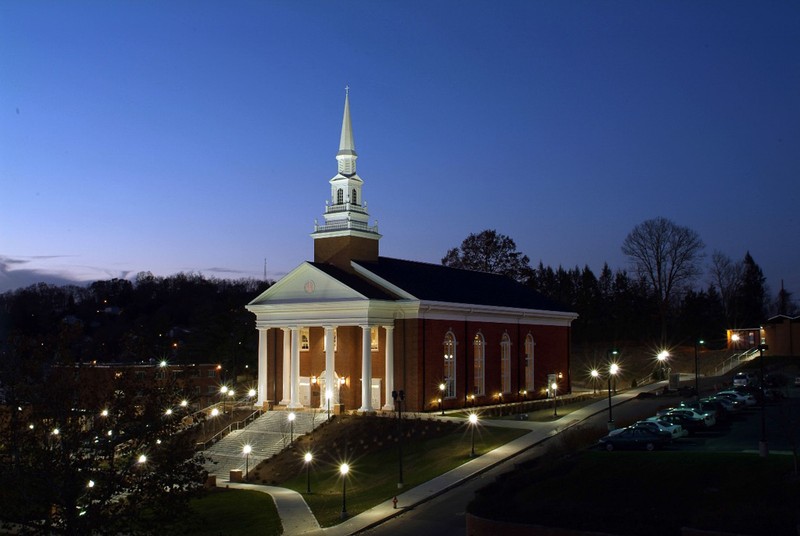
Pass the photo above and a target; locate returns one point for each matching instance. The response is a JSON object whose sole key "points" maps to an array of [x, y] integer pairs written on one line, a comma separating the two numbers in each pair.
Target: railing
{"points": [[735, 360], [346, 225], [346, 207], [238, 425]]}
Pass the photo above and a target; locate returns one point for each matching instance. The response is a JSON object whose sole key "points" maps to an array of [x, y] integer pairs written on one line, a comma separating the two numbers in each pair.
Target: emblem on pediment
{"points": [[309, 286]]}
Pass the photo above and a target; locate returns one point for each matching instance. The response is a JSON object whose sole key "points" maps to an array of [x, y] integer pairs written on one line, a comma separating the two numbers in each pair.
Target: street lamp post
{"points": [[554, 388], [473, 421], [291, 418], [662, 363], [344, 469], [246, 450], [613, 368], [595, 375], [328, 395], [222, 392], [398, 397], [763, 448], [441, 397], [307, 458], [696, 375]]}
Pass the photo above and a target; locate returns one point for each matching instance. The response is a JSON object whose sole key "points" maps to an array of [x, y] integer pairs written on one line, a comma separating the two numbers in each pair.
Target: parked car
{"points": [[746, 398], [634, 438], [654, 424], [729, 404], [708, 420], [706, 406], [690, 425], [744, 379]]}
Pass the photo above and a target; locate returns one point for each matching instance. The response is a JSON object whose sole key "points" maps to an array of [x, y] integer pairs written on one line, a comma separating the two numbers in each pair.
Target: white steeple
{"points": [[346, 212]]}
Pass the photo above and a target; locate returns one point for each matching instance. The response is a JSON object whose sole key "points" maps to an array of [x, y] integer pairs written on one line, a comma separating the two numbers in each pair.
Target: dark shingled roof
{"points": [[434, 282], [355, 282]]}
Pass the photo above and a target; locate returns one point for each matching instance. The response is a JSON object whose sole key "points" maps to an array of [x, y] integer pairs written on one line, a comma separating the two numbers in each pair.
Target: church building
{"points": [[351, 327]]}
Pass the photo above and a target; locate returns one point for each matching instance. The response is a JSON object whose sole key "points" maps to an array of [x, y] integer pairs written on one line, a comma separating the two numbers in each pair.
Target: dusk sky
{"points": [[200, 136]]}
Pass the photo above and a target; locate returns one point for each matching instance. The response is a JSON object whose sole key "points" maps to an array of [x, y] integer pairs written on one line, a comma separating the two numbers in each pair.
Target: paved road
{"points": [[445, 514]]}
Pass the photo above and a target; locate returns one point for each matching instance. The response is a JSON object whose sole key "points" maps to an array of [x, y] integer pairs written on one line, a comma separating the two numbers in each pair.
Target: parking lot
{"points": [[739, 430]]}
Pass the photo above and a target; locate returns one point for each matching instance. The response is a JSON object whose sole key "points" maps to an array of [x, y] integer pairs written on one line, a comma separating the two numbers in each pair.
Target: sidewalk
{"points": [[297, 518]]}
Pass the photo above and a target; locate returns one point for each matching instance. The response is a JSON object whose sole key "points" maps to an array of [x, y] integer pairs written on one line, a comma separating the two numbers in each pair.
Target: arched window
{"points": [[529, 344], [449, 365], [505, 363], [339, 196], [304, 345], [478, 367], [354, 198]]}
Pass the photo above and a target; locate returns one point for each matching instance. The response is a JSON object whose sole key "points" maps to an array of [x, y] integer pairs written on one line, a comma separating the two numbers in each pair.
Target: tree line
{"points": [[184, 318], [662, 297]]}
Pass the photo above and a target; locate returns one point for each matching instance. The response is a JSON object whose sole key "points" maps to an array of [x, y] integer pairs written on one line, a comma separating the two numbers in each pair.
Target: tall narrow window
{"points": [[449, 365], [354, 198], [304, 342], [505, 364], [479, 347], [529, 363], [339, 196]]}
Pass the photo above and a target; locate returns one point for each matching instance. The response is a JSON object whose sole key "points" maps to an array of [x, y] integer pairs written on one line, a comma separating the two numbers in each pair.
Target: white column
{"points": [[330, 370], [262, 367], [294, 387], [389, 379], [287, 366], [366, 370]]}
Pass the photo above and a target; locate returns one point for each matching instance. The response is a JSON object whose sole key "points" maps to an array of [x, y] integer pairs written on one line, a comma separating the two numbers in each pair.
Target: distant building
{"points": [[200, 382], [352, 327], [782, 335], [744, 338]]}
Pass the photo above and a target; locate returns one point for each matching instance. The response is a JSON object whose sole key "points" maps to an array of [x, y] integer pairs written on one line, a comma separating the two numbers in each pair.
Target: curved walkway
{"points": [[297, 518]]}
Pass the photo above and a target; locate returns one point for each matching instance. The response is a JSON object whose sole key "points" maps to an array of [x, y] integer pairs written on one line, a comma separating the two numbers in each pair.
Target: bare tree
{"points": [[667, 256], [727, 276], [489, 251]]}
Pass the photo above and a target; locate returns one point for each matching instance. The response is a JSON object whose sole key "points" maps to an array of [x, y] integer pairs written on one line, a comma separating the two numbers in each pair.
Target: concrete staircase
{"points": [[267, 436]]}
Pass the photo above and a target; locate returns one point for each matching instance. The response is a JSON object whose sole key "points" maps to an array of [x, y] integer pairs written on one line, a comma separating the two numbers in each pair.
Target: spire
{"points": [[346, 145]]}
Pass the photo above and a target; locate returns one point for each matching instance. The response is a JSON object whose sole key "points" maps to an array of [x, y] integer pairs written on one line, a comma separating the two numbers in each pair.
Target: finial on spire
{"points": [[346, 91]]}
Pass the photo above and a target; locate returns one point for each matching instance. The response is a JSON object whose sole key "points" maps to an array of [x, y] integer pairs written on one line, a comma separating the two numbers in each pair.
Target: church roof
{"points": [[434, 282], [359, 284]]}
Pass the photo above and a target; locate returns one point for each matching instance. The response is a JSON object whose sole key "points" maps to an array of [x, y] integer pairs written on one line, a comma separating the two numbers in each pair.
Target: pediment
{"points": [[307, 284]]}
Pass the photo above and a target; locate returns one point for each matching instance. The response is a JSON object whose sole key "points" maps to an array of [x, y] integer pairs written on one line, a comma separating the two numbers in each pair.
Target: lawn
{"points": [[374, 475], [232, 513], [654, 493]]}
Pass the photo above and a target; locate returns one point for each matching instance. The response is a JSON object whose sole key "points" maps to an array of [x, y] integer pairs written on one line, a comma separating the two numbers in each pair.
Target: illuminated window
{"points": [[505, 363], [373, 336], [479, 348], [450, 365], [339, 196], [304, 339], [529, 362]]}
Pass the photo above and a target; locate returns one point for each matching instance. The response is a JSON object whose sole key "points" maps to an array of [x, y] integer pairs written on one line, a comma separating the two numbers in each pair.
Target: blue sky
{"points": [[200, 136]]}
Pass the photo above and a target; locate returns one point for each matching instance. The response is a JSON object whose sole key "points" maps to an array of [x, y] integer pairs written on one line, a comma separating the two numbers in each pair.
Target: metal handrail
{"points": [[238, 425]]}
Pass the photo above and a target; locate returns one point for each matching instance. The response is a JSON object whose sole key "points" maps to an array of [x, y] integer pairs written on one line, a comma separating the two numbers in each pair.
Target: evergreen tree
{"points": [[751, 297]]}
